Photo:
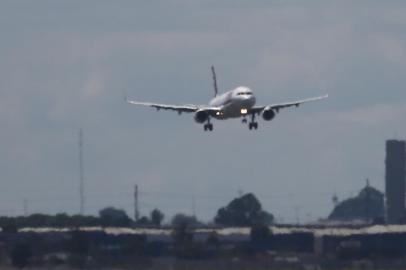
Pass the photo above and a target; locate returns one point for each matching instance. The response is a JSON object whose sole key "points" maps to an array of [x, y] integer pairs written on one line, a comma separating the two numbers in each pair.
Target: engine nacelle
{"points": [[268, 114], [201, 117]]}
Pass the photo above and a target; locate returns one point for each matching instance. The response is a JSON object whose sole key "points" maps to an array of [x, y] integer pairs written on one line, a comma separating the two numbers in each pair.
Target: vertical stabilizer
{"points": [[214, 81]]}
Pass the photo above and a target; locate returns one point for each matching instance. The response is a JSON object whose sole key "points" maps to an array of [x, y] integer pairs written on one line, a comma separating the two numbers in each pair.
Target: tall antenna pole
{"points": [[81, 174], [194, 206], [136, 212]]}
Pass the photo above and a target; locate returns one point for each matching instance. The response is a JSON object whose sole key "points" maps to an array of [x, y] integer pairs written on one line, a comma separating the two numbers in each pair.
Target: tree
{"points": [[243, 211], [368, 205], [111, 216], [143, 221], [156, 217], [184, 220], [60, 220]]}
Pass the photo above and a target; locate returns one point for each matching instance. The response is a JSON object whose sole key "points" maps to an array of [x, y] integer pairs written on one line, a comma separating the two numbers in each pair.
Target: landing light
{"points": [[218, 113], [244, 111]]}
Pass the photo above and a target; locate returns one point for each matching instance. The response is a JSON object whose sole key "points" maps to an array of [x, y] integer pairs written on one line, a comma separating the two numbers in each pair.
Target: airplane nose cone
{"points": [[249, 101]]}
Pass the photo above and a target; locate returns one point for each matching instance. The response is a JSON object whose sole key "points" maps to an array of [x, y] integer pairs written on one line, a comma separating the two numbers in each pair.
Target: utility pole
{"points": [[81, 174], [296, 208], [136, 211], [194, 206]]}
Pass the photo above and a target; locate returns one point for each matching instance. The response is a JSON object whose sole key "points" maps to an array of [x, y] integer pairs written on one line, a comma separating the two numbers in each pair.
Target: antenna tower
{"points": [[81, 173]]}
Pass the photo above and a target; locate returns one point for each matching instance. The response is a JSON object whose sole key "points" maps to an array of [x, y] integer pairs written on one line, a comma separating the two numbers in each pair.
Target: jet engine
{"points": [[268, 114], [201, 116]]}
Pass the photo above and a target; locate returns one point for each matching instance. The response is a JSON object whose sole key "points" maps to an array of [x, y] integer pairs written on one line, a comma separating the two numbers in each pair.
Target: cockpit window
{"points": [[244, 93]]}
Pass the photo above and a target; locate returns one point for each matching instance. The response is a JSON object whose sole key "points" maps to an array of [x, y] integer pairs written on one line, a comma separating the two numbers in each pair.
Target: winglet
{"points": [[214, 81]]}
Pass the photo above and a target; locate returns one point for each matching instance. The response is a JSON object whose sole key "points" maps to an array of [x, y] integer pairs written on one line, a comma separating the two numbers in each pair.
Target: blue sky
{"points": [[64, 66]]}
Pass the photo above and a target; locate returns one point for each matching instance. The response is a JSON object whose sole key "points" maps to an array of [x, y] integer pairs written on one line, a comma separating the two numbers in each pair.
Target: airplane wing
{"points": [[278, 106], [189, 108]]}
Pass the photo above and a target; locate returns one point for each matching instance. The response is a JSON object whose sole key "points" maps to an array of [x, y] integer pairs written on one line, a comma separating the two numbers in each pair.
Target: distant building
{"points": [[395, 181]]}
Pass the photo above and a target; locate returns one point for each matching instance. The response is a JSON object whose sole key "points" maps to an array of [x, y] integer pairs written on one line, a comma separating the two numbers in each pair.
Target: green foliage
{"points": [[143, 221], [184, 220], [157, 217], [111, 216], [368, 205], [243, 212], [42, 220]]}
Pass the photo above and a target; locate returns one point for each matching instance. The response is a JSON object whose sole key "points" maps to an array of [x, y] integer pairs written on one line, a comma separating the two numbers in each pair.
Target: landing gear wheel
{"points": [[253, 125], [208, 127]]}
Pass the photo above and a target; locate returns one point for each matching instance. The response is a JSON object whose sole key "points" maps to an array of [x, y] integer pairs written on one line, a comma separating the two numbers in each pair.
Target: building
{"points": [[395, 181]]}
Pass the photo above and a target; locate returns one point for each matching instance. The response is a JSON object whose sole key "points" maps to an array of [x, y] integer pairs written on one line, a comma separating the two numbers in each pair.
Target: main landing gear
{"points": [[252, 124], [208, 126]]}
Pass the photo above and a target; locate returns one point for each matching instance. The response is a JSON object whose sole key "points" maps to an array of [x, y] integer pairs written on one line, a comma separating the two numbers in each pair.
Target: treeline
{"points": [[108, 217], [43, 220], [243, 211]]}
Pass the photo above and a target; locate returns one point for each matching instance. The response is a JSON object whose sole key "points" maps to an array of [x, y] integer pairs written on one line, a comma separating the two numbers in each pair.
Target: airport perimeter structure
{"points": [[320, 241]]}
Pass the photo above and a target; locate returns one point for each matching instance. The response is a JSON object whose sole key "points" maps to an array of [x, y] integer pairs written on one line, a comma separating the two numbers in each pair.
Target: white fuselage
{"points": [[234, 103]]}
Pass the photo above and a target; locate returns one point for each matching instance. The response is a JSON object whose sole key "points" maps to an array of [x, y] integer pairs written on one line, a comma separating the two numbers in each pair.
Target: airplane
{"points": [[236, 103]]}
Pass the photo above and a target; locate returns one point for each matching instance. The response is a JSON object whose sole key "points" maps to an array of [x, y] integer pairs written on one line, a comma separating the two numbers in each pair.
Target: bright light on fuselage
{"points": [[244, 111]]}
